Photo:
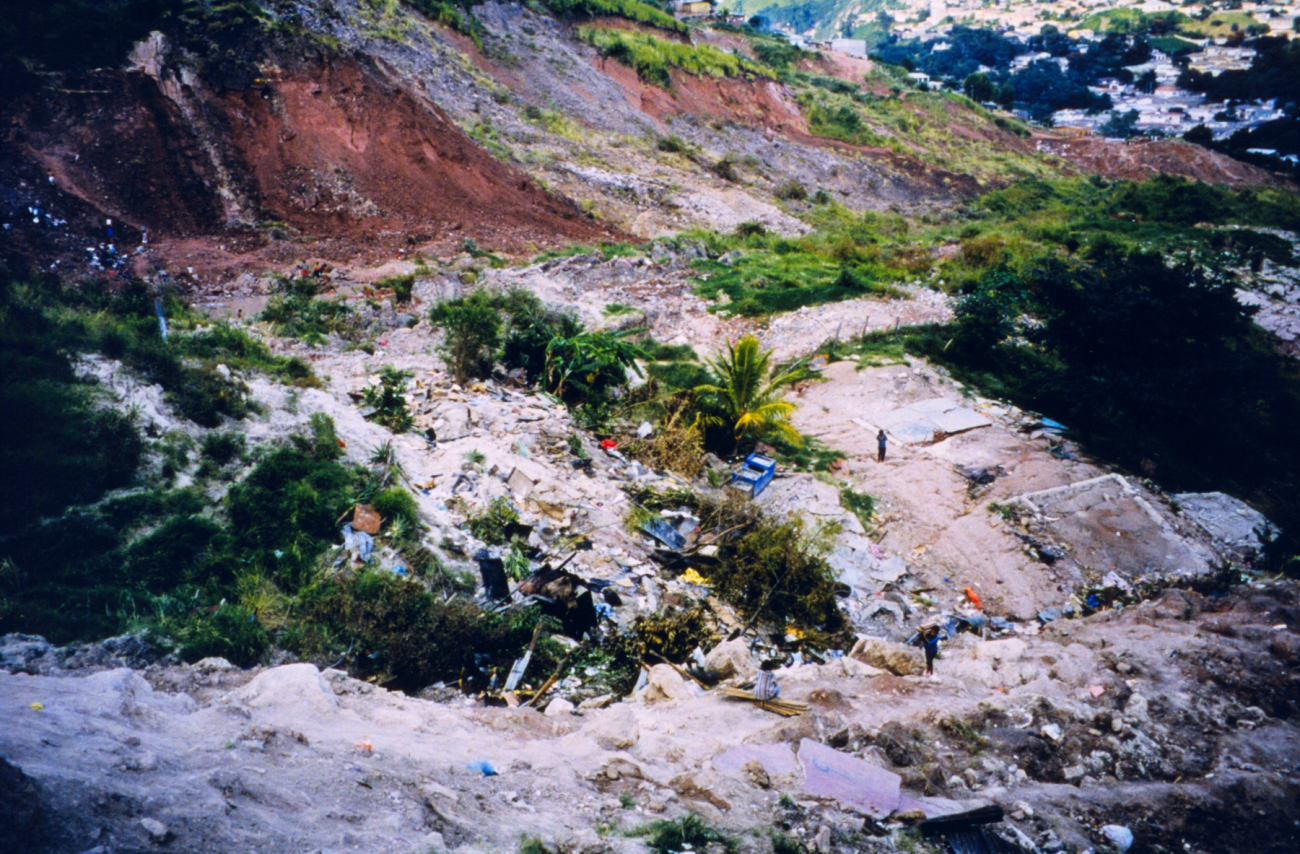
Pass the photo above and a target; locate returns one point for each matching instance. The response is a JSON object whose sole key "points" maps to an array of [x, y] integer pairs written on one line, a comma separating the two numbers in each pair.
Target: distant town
{"points": [[1206, 38]]}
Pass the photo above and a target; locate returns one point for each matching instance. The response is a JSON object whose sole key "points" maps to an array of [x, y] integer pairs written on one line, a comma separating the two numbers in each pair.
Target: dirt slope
{"points": [[325, 143], [1140, 160]]}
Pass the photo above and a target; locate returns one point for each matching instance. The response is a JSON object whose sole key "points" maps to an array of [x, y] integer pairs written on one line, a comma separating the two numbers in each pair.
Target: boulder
{"points": [[731, 658], [559, 706], [616, 728], [897, 658], [665, 683], [290, 685]]}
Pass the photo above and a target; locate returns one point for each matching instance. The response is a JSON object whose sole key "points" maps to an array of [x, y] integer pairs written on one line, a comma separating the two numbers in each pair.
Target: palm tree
{"points": [[746, 395]]}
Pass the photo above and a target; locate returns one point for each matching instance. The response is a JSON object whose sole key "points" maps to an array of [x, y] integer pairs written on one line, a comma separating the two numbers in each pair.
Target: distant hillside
{"points": [[826, 18]]}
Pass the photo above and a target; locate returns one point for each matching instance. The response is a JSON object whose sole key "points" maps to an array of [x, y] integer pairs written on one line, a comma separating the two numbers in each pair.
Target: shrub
{"points": [[582, 368], [778, 572], [402, 287], [402, 635], [222, 448], [686, 833], [493, 524], [387, 401], [473, 332], [791, 191]]}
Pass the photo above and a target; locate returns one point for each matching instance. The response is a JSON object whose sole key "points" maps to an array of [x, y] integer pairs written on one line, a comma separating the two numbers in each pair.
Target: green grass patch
{"points": [[653, 58], [632, 10]]}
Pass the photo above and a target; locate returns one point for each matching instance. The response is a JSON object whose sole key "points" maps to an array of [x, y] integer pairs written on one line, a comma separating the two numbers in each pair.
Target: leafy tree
{"points": [[746, 395], [979, 87], [1122, 125], [472, 326]]}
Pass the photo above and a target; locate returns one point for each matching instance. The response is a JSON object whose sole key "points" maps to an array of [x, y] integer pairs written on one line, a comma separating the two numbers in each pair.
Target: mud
{"points": [[1139, 160]]}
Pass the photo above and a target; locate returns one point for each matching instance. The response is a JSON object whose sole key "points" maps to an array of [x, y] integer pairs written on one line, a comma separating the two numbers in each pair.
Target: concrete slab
{"points": [[1230, 521], [859, 785]]}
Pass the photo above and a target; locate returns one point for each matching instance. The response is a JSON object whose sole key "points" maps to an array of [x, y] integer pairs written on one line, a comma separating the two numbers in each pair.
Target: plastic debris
{"points": [[36, 707], [974, 598], [483, 767], [755, 474], [690, 576], [361, 543], [664, 533]]}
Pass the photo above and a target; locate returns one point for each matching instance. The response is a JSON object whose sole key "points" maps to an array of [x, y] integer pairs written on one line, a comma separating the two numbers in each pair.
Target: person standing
{"points": [[929, 637], [880, 446]]}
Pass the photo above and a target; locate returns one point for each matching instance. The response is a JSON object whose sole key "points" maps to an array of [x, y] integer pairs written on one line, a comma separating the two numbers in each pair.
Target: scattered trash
{"points": [[356, 541], [645, 430], [974, 598], [664, 533], [365, 744], [1096, 690], [608, 444], [755, 474], [493, 570], [36, 707], [690, 576], [483, 767]]}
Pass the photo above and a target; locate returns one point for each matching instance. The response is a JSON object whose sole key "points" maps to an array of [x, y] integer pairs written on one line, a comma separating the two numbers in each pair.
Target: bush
{"points": [[686, 833], [402, 287], [407, 638], [582, 368], [791, 191], [473, 332], [492, 526], [387, 401], [778, 572]]}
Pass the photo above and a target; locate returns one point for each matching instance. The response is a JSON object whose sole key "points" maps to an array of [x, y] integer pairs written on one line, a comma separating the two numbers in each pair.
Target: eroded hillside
{"points": [[377, 384]]}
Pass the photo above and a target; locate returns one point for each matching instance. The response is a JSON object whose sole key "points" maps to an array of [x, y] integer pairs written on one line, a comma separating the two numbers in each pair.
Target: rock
{"points": [[756, 774], [665, 683], [895, 657], [1051, 731], [20, 809], [559, 706], [1021, 811], [290, 685], [1119, 836], [366, 519], [1073, 773], [157, 831], [596, 702], [616, 728], [213, 665], [731, 658]]}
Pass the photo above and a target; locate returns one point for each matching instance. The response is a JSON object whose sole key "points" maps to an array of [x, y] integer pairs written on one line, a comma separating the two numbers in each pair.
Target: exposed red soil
{"points": [[1139, 160], [757, 103], [349, 162], [338, 150], [847, 68]]}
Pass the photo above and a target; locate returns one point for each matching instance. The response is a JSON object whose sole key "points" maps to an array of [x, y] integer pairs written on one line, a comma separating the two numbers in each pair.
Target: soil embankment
{"points": [[322, 146]]}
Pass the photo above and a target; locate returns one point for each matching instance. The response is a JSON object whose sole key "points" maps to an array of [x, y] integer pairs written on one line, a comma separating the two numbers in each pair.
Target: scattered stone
{"points": [[1118, 836], [1051, 731], [559, 706], [158, 832], [731, 658], [898, 659]]}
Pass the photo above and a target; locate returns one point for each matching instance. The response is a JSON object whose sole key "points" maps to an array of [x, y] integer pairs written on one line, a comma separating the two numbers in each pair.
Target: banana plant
{"points": [[586, 365]]}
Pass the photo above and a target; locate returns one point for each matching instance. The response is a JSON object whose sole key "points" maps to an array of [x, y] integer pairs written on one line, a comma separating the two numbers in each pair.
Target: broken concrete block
{"points": [[559, 706], [366, 519]]}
